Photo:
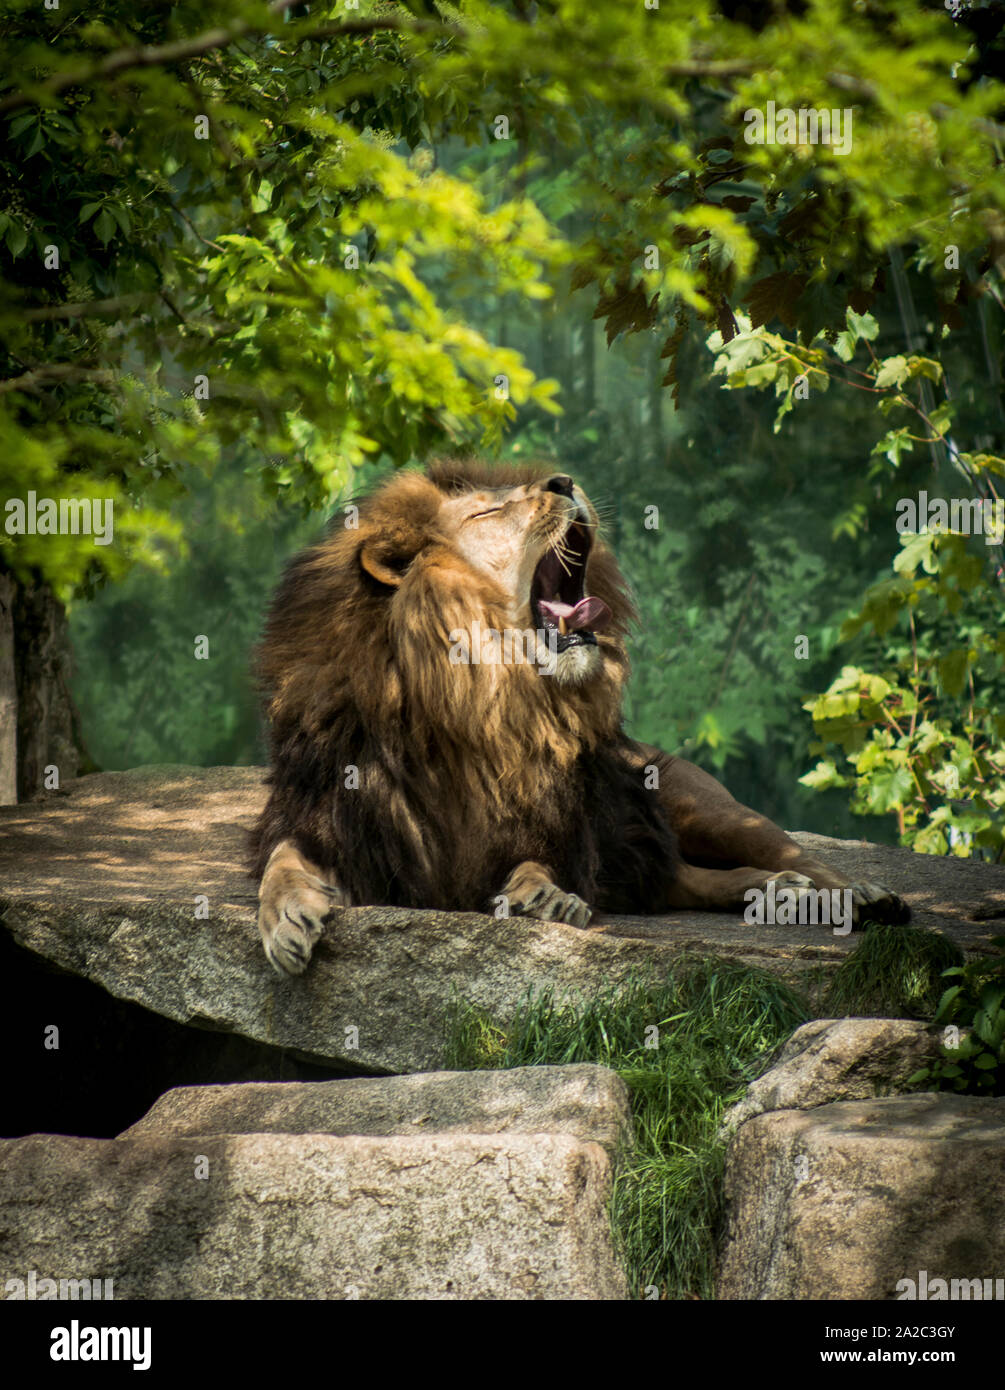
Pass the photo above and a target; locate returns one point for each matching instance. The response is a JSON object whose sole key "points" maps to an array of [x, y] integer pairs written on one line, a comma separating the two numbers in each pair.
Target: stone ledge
{"points": [[588, 1103], [102, 880]]}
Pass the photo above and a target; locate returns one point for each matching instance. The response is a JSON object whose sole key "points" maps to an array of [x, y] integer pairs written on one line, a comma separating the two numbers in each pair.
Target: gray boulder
{"points": [[315, 1216], [833, 1059], [851, 1200]]}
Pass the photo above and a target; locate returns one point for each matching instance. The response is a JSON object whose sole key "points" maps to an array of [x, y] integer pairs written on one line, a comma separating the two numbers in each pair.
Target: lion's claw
{"points": [[550, 904], [291, 916]]}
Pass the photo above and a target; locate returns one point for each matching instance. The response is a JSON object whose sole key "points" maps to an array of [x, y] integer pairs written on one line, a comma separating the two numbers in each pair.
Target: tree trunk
{"points": [[38, 720], [8, 695], [546, 309], [656, 398], [589, 364]]}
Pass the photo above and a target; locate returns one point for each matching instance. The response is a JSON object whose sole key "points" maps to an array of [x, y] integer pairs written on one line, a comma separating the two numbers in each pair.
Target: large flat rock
{"points": [[587, 1102], [105, 879], [316, 1216]]}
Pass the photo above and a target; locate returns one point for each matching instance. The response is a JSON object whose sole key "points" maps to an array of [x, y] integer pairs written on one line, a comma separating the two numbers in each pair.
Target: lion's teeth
{"points": [[561, 625]]}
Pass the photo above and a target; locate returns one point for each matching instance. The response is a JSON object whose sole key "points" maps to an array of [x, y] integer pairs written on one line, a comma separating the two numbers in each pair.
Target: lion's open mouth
{"points": [[556, 593]]}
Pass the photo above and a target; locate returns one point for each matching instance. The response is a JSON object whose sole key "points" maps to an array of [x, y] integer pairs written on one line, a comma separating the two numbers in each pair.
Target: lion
{"points": [[444, 685]]}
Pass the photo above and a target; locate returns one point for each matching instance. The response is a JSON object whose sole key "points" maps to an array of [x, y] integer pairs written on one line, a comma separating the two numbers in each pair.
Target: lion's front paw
{"points": [[550, 904], [530, 892], [291, 914], [871, 902]]}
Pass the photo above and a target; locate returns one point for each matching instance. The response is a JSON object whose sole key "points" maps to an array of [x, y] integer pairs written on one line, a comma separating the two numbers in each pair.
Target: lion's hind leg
{"points": [[531, 892], [710, 890], [712, 826], [294, 898]]}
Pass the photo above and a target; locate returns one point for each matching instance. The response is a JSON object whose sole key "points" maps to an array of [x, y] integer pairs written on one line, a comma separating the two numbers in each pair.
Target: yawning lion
{"points": [[444, 685]]}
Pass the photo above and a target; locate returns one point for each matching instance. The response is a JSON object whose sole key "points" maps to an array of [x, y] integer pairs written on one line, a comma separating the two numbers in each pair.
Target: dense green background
{"points": [[742, 562]]}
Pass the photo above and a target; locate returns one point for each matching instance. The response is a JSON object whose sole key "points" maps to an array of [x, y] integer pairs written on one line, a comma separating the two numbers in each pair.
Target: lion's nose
{"points": [[559, 482]]}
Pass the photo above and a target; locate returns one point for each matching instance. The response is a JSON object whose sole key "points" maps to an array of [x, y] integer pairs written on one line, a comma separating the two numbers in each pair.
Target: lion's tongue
{"points": [[592, 613]]}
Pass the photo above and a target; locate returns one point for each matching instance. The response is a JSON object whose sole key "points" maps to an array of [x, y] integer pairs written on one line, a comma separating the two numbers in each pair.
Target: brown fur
{"points": [[464, 771]]}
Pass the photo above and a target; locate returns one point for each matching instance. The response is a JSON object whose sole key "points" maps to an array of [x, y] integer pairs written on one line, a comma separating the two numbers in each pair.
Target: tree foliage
{"points": [[924, 733], [300, 241]]}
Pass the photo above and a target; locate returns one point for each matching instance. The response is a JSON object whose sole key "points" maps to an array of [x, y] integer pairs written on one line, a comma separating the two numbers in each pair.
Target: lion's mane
{"points": [[423, 783]]}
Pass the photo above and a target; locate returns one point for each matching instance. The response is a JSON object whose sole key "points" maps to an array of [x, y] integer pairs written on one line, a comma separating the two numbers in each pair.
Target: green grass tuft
{"points": [[717, 1023], [894, 973]]}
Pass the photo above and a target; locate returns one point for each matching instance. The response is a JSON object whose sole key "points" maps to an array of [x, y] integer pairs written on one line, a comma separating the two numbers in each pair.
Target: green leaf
{"points": [[917, 550], [104, 227], [893, 372], [893, 444], [924, 366], [954, 668], [761, 373], [824, 775], [887, 789], [863, 326], [16, 238], [121, 217]]}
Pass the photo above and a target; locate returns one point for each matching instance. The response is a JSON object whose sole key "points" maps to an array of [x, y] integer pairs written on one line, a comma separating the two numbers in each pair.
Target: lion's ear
{"points": [[384, 561]]}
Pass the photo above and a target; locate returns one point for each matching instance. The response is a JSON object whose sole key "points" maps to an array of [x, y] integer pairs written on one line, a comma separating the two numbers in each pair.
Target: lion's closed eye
{"points": [[490, 511]]}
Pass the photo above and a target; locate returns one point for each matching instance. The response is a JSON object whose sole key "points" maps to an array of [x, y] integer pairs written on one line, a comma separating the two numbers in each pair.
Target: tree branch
{"points": [[52, 372], [85, 308], [162, 55], [737, 67]]}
